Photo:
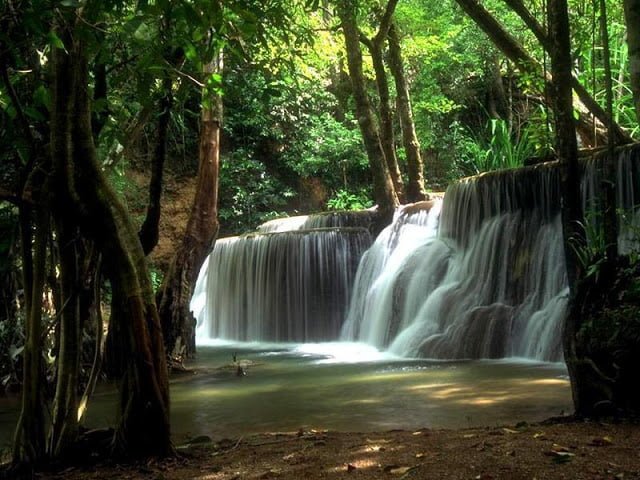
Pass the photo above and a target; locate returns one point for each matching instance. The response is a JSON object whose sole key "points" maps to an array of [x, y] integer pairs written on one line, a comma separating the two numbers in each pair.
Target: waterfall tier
{"points": [[492, 283], [361, 218], [287, 287]]}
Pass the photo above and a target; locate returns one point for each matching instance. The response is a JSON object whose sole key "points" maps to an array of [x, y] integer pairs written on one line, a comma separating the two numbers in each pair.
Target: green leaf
{"points": [[55, 41], [70, 3]]}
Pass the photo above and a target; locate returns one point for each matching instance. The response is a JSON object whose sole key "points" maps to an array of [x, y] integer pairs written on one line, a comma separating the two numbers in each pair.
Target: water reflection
{"points": [[322, 386]]}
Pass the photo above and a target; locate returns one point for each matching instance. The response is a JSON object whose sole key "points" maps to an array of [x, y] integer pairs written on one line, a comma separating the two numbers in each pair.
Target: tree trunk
{"points": [[609, 177], [387, 139], [566, 147], [383, 190], [143, 410], [175, 294], [515, 52], [29, 440], [149, 231], [64, 424], [415, 166], [632, 17]]}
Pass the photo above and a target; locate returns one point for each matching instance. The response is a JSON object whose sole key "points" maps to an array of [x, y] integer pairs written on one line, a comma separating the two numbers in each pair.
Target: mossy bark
{"points": [[143, 410], [415, 167], [383, 190]]}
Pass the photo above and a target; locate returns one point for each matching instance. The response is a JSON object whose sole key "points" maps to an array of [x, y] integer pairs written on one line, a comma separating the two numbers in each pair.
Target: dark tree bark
{"points": [[609, 214], [149, 231], [202, 228], [29, 440], [375, 46], [632, 18], [143, 409], [415, 166], [383, 190], [506, 43], [64, 422], [566, 147]]}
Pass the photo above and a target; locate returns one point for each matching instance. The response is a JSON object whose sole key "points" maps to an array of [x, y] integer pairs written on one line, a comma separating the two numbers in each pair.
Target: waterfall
{"points": [[491, 282], [289, 286], [360, 218], [479, 274]]}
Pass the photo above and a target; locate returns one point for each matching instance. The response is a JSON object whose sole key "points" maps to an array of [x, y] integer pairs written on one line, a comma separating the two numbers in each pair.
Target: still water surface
{"points": [[339, 386]]}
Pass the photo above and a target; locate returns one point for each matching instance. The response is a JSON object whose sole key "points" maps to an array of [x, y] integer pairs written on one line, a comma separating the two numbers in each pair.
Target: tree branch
{"points": [[589, 102], [385, 22]]}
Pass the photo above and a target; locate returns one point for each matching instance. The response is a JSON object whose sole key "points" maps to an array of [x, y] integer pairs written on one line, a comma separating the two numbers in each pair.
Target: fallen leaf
{"points": [[563, 458], [400, 470], [469, 435], [601, 442], [539, 436], [271, 473], [508, 430], [559, 448], [420, 455], [560, 457]]}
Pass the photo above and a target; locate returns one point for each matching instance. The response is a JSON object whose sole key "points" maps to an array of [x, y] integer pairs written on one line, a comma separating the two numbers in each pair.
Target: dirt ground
{"points": [[543, 451]]}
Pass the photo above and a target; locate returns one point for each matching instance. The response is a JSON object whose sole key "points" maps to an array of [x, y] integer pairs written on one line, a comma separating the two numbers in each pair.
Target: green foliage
{"points": [[156, 277], [329, 150], [249, 195], [590, 253], [346, 200], [496, 149]]}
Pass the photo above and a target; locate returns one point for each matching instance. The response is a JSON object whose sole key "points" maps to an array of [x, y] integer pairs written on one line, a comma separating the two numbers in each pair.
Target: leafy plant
{"points": [[346, 200], [497, 148], [591, 253]]}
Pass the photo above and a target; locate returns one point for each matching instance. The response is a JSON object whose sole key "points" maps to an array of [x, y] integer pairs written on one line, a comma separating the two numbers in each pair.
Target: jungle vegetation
{"points": [[275, 107]]}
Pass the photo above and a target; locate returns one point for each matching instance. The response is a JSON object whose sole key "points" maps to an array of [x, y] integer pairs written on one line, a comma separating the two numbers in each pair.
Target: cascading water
{"points": [[492, 283], [291, 286], [489, 285], [478, 275]]}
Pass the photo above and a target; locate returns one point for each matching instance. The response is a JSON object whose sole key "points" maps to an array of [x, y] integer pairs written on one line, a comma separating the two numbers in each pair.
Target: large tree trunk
{"points": [[632, 17], [515, 52], [175, 294], [29, 440], [415, 166], [566, 146], [383, 190], [143, 410]]}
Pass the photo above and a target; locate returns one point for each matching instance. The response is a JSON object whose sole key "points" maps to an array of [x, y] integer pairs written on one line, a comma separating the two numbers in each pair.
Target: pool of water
{"points": [[346, 387]]}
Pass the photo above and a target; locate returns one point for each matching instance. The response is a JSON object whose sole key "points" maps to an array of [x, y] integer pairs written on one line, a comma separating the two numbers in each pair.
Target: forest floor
{"points": [[540, 451]]}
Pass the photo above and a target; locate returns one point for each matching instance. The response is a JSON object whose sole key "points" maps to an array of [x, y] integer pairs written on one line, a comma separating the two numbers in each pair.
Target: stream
{"points": [[340, 386]]}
